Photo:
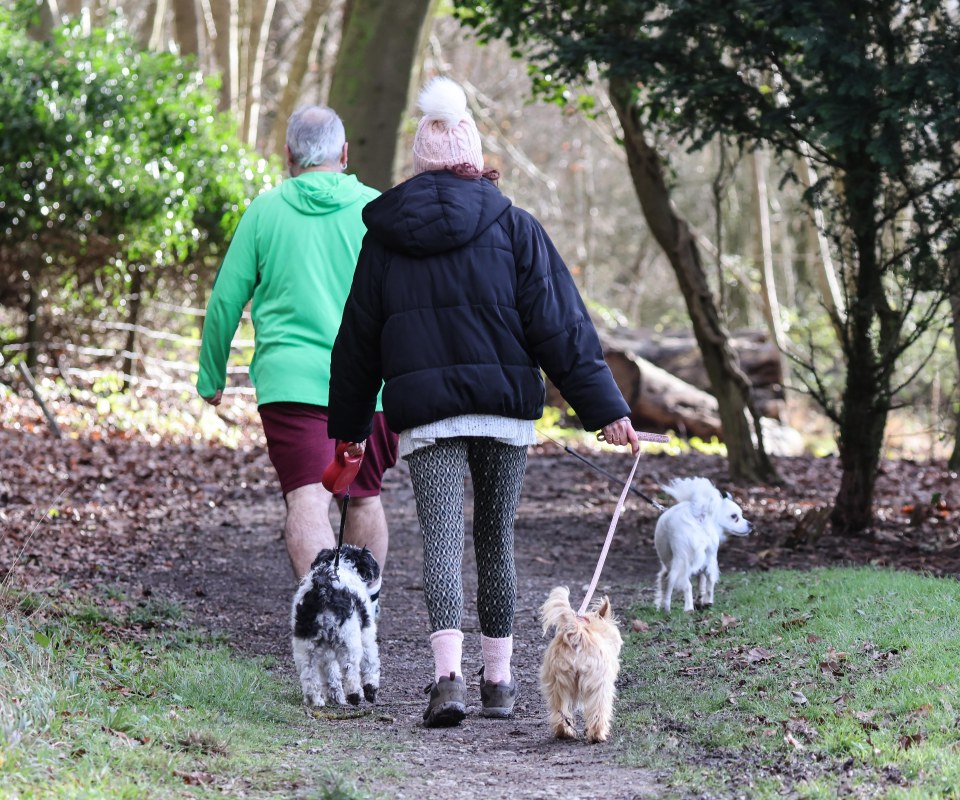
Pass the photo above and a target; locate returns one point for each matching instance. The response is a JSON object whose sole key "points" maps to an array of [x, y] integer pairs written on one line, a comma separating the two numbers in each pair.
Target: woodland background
{"points": [[133, 134]]}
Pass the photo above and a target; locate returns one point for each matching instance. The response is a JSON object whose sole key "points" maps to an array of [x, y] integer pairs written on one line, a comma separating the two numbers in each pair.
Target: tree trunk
{"points": [[134, 304], [296, 72], [748, 461], [48, 18], [226, 49], [259, 34], [872, 332], [154, 25], [954, 273], [382, 40], [769, 301], [861, 439], [825, 273], [33, 325], [187, 26]]}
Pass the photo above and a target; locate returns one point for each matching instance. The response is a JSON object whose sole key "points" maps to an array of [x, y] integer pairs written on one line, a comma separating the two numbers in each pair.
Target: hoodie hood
{"points": [[316, 193], [434, 212]]}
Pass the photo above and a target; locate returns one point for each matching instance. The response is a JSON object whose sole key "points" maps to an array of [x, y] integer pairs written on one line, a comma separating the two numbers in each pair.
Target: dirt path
{"points": [[199, 525], [234, 578]]}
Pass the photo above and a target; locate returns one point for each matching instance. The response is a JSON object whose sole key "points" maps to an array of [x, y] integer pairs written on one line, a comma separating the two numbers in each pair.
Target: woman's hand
{"points": [[355, 449], [621, 432]]}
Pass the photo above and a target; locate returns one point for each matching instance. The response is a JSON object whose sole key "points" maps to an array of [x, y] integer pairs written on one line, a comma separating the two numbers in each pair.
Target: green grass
{"points": [[99, 705], [832, 683], [824, 684]]}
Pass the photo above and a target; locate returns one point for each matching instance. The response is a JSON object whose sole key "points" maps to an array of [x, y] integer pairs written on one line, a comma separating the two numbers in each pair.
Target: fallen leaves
{"points": [[832, 663], [907, 741], [195, 778], [744, 656], [798, 698]]}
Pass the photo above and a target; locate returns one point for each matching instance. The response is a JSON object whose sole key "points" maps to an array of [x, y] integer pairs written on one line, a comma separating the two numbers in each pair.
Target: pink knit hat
{"points": [[447, 134]]}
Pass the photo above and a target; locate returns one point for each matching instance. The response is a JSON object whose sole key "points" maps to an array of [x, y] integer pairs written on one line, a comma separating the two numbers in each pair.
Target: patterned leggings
{"points": [[437, 473]]}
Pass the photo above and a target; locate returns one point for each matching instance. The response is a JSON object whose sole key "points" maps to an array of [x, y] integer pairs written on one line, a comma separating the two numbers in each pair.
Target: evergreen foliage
{"points": [[113, 160]]}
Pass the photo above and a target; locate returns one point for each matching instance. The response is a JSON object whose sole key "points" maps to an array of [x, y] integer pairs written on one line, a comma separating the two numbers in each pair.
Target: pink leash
{"points": [[649, 437]]}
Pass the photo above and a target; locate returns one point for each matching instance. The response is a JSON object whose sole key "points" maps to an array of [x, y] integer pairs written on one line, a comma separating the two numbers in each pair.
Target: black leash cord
{"points": [[601, 470]]}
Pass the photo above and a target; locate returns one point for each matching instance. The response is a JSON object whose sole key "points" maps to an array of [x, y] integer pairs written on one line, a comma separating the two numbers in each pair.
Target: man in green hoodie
{"points": [[293, 254]]}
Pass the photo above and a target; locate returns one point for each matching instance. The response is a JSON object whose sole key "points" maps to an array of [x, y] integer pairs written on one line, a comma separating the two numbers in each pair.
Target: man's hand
{"points": [[215, 400], [621, 432]]}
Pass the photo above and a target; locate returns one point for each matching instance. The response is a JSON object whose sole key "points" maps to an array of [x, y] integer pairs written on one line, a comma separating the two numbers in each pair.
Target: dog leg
{"points": [[687, 596], [712, 575], [351, 654], [702, 592], [678, 579], [305, 659], [598, 711], [659, 589], [330, 672], [558, 684], [561, 719], [370, 664]]}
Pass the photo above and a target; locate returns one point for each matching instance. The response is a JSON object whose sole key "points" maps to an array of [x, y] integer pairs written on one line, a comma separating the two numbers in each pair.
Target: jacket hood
{"points": [[316, 193], [434, 212]]}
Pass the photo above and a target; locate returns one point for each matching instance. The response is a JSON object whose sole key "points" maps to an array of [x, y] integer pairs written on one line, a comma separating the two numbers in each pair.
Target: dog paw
{"points": [[596, 737], [353, 698], [564, 732], [370, 692]]}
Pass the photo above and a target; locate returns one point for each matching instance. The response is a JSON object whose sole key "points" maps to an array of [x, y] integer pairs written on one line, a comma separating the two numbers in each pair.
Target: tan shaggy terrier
{"points": [[580, 665]]}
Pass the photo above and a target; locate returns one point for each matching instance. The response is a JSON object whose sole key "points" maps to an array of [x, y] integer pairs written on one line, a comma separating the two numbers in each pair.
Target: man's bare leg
{"points": [[367, 527], [307, 529]]}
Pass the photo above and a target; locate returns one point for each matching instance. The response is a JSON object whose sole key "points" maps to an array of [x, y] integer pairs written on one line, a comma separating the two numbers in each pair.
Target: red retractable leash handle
{"points": [[340, 472], [337, 478]]}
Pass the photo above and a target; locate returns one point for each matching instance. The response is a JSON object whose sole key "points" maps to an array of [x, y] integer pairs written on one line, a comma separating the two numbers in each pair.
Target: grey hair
{"points": [[315, 136]]}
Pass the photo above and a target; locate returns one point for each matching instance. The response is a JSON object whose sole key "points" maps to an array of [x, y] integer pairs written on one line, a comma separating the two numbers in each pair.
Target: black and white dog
{"points": [[335, 630]]}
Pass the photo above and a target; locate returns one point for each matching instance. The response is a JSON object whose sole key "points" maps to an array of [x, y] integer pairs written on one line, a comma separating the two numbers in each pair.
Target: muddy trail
{"points": [[200, 526], [237, 582]]}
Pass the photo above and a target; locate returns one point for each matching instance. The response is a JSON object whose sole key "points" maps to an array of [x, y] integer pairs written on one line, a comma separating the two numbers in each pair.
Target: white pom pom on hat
{"points": [[446, 135]]}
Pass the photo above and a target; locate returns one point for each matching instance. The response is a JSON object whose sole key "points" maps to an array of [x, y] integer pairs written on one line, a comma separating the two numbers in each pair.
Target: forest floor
{"points": [[200, 525]]}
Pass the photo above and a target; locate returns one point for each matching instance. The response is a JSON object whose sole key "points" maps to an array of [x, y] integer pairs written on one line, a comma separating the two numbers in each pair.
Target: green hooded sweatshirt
{"points": [[293, 254]]}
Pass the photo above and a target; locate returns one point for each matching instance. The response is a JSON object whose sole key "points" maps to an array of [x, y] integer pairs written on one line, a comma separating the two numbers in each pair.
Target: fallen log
{"points": [[658, 400], [678, 354], [664, 381]]}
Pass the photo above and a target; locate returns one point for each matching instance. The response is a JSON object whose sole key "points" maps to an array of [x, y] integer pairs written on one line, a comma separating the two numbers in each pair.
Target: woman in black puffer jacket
{"points": [[459, 300]]}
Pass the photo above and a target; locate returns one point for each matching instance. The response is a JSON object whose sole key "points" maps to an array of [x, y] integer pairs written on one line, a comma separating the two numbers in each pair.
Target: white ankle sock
{"points": [[373, 589], [496, 658], [447, 652]]}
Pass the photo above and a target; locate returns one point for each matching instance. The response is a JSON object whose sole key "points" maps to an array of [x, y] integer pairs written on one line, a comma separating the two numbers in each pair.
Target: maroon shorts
{"points": [[300, 449]]}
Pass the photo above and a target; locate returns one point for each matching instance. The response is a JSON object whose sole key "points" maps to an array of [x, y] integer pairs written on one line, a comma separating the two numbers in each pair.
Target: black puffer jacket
{"points": [[458, 300]]}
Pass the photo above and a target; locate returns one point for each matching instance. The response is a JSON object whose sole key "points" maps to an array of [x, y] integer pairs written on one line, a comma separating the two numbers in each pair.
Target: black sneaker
{"points": [[448, 702], [497, 699]]}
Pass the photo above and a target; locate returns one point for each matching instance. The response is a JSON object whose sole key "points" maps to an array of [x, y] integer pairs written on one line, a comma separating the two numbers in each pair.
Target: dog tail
{"points": [[702, 495], [556, 611]]}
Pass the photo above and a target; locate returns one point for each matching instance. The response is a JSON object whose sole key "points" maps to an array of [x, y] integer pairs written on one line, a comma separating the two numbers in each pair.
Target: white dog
{"points": [[688, 536], [334, 629]]}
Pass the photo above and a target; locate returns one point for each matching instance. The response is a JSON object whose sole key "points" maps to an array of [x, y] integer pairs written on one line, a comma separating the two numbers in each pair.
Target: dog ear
{"points": [[323, 557], [367, 567], [605, 610]]}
